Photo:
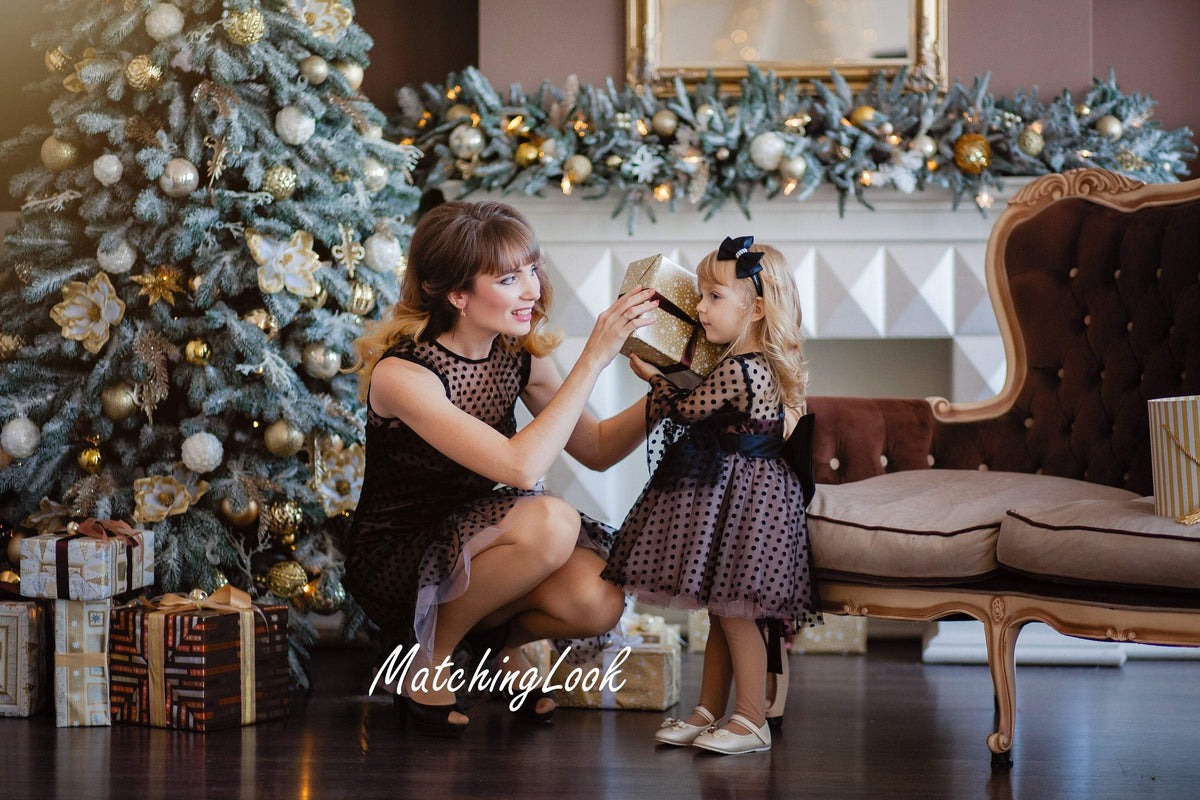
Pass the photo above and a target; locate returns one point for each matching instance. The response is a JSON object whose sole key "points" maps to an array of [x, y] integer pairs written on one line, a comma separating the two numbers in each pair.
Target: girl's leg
{"points": [[717, 675], [539, 537], [748, 653]]}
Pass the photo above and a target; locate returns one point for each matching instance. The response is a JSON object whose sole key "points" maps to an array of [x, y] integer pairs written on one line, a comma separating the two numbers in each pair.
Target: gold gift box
{"points": [[649, 672], [81, 662], [675, 332], [839, 634]]}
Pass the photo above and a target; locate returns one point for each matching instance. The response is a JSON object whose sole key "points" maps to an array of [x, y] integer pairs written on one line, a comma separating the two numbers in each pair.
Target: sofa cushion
{"points": [[929, 525], [1108, 541]]}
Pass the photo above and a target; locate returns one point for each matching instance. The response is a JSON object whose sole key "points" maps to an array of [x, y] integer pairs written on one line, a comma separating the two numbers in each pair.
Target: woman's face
{"points": [[503, 303], [722, 310]]}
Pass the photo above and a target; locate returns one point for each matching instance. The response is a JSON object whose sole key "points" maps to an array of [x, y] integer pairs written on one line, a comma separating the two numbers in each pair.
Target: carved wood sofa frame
{"points": [[997, 433]]}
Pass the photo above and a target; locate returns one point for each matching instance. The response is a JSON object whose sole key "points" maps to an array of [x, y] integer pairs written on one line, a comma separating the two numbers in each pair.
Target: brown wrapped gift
{"points": [[675, 342], [24, 662], [199, 664], [647, 677]]}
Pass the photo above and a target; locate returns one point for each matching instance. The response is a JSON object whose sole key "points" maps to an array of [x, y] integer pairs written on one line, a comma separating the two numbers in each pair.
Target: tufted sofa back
{"points": [[1096, 280]]}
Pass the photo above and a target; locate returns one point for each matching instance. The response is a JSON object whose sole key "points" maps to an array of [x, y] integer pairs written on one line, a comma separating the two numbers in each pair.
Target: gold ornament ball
{"points": [[118, 401], [352, 72], [286, 578], [198, 352], [279, 181], [13, 551], [89, 460], [143, 74], [527, 155], [320, 362], [263, 320], [1031, 141], [239, 516], [219, 580], [56, 60], [362, 299], [577, 168], [793, 168], [58, 155], [10, 344], [972, 153], [326, 596], [245, 27], [457, 111], [315, 70], [1082, 109], [664, 122], [282, 439], [1110, 127], [864, 117], [923, 144], [284, 519], [317, 300], [8, 576]]}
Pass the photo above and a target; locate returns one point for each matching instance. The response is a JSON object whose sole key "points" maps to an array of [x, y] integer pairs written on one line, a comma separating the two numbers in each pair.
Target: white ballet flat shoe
{"points": [[678, 732], [723, 740]]}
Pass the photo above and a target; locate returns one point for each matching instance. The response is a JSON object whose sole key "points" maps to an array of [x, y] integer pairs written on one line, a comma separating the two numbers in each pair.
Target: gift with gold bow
{"points": [[675, 342], [199, 662], [81, 662], [90, 560]]}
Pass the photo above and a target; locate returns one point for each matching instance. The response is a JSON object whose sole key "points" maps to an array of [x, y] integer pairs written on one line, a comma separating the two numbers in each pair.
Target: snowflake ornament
{"points": [[642, 165]]}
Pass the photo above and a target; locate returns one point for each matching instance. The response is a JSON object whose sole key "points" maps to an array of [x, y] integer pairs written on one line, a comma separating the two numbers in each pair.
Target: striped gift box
{"points": [[1175, 457]]}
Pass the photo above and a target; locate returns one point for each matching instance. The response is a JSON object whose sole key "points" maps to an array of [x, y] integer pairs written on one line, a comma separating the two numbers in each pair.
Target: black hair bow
{"points": [[748, 266]]}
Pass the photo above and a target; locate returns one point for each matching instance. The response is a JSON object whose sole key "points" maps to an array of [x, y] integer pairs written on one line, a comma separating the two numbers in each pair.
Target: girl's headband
{"points": [[747, 262]]}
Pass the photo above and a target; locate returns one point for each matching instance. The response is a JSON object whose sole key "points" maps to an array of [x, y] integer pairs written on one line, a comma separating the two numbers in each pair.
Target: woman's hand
{"points": [[616, 323], [643, 369]]}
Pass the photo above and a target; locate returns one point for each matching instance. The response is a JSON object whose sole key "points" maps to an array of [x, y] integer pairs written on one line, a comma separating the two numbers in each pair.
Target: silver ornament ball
{"points": [[315, 70], [180, 178], [107, 169], [1110, 127], [320, 362], [793, 168], [382, 252], [164, 21], [20, 437], [375, 174], [117, 261], [925, 145], [1031, 141], [466, 141], [294, 126]]}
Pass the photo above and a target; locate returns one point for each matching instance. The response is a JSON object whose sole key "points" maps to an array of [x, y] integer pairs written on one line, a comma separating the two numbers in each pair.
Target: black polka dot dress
{"points": [[421, 515], [721, 523]]}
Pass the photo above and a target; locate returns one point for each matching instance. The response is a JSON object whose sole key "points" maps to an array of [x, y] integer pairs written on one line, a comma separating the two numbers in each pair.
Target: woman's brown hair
{"points": [[453, 244]]}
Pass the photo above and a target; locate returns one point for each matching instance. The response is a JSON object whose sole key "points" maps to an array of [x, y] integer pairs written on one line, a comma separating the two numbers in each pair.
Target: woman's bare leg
{"points": [[748, 653], [539, 538]]}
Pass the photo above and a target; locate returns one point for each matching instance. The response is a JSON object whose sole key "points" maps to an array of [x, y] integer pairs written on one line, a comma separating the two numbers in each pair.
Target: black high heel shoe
{"points": [[527, 710], [428, 720]]}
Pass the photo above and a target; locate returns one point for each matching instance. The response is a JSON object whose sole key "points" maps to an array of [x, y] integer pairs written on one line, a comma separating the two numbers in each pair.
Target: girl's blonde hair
{"points": [[778, 330], [453, 244]]}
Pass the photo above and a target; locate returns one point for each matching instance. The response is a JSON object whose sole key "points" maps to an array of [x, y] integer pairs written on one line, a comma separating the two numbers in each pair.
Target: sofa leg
{"points": [[1001, 649]]}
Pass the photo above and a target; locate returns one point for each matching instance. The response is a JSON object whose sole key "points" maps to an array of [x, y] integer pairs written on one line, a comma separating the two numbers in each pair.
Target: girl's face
{"points": [[502, 303], [723, 310]]}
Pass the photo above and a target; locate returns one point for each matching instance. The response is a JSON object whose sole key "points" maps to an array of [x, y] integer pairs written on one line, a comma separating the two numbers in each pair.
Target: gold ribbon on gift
{"points": [[76, 689], [1193, 516], [228, 599]]}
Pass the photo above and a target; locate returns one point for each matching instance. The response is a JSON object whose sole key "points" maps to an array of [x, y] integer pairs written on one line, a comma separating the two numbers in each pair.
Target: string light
{"points": [[983, 199], [662, 192], [566, 185]]}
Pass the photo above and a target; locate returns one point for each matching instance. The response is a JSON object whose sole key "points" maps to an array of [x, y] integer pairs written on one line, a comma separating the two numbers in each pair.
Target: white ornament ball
{"points": [[294, 126], [20, 437], [202, 452], [352, 72], [107, 169], [549, 149], [704, 115], [466, 141], [1110, 127], [116, 261], [793, 168], [320, 362], [925, 145], [164, 21], [373, 132], [766, 150], [382, 252], [375, 174], [315, 70], [180, 178], [577, 168]]}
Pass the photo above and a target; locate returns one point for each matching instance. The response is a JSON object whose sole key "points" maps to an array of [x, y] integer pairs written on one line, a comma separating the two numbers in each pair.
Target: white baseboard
{"points": [[964, 643]]}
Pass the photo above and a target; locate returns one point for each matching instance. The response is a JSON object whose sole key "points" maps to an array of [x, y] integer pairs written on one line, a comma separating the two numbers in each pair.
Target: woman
{"points": [[440, 550]]}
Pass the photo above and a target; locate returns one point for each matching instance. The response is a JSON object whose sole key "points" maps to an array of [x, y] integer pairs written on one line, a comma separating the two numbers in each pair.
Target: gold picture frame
{"points": [[646, 41]]}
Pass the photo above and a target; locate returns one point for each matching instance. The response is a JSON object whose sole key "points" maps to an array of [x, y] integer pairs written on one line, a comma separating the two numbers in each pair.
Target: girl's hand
{"points": [[643, 369], [616, 323]]}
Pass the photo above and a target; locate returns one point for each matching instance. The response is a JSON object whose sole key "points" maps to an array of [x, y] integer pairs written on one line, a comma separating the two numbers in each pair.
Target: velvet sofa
{"points": [[1033, 506]]}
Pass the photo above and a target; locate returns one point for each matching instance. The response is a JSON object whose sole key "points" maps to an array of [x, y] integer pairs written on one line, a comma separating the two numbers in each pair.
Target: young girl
{"points": [[721, 523]]}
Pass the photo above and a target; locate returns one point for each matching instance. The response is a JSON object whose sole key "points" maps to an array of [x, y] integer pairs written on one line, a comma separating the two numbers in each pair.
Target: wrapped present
{"points": [[697, 637], [81, 662], [101, 559], [839, 634], [1175, 457], [199, 662], [24, 657], [675, 342], [630, 673]]}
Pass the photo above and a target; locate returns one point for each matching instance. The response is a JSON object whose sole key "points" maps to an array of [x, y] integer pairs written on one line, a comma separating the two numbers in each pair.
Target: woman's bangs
{"points": [[509, 247]]}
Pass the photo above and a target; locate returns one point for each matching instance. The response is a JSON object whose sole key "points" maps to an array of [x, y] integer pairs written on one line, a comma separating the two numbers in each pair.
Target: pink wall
{"points": [[1153, 44]]}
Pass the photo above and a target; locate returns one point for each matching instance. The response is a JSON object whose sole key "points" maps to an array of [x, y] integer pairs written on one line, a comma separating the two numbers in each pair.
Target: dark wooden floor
{"points": [[877, 726]]}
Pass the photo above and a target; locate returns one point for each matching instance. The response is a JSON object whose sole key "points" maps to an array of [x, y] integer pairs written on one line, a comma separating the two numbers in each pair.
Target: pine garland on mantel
{"points": [[776, 135]]}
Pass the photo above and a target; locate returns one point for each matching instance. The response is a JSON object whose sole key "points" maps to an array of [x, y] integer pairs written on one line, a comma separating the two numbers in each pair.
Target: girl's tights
{"points": [[735, 652]]}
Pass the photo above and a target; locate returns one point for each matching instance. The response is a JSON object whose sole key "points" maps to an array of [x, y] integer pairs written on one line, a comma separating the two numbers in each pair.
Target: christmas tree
{"points": [[214, 216]]}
